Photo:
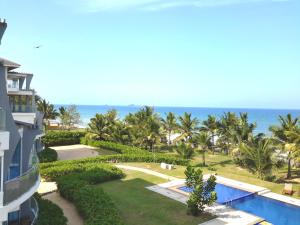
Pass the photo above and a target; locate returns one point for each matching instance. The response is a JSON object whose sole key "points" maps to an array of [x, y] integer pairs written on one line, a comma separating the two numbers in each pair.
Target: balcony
{"points": [[15, 188], [24, 113], [4, 135]]}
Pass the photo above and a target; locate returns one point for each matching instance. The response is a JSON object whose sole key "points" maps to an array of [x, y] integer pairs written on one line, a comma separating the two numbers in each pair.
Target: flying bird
{"points": [[38, 46]]}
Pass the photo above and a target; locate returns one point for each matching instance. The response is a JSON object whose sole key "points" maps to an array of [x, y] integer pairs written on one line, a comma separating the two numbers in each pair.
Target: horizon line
{"points": [[165, 106]]}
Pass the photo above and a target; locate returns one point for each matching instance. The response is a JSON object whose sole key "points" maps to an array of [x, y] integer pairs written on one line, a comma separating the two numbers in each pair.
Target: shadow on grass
{"points": [[139, 205]]}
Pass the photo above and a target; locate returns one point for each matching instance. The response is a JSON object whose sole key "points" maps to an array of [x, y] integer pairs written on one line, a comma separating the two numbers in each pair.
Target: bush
{"points": [[100, 171], [47, 155], [112, 146], [49, 213], [57, 138], [94, 205], [53, 170]]}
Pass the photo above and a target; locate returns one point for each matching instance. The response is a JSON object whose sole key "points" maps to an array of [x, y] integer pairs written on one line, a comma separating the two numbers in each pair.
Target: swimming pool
{"points": [[273, 211], [225, 193]]}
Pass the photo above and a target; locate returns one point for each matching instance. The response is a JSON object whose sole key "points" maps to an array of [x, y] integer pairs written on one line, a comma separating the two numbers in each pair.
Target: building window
{"points": [[13, 218], [15, 165]]}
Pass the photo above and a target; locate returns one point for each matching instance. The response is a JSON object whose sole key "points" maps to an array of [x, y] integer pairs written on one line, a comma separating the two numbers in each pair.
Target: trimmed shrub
{"points": [[47, 155], [49, 213], [94, 205], [112, 146], [59, 168], [59, 138], [97, 172]]}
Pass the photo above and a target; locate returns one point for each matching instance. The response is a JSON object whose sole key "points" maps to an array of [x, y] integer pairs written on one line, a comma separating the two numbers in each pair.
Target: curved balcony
{"points": [[15, 188], [35, 210]]}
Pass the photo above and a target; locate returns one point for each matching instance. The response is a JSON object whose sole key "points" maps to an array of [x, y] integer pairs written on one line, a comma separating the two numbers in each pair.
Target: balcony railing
{"points": [[15, 188], [23, 108], [2, 119], [35, 210]]}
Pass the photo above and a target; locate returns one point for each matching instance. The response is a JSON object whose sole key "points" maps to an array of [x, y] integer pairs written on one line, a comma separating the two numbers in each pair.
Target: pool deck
{"points": [[225, 215]]}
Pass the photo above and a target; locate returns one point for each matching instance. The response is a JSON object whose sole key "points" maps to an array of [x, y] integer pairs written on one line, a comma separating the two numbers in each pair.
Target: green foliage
{"points": [[69, 116], [52, 171], [76, 185], [119, 148], [185, 151], [49, 213], [47, 109], [47, 155], [256, 155], [203, 191], [57, 138]]}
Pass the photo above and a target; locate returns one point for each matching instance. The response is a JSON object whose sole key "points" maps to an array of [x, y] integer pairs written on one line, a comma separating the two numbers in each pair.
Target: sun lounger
{"points": [[288, 189]]}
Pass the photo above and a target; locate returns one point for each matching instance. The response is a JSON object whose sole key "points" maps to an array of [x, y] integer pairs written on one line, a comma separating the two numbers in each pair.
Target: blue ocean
{"points": [[264, 118]]}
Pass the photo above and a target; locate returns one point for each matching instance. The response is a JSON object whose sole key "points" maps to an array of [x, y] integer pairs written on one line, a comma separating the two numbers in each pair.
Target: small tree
{"points": [[203, 191], [185, 151], [70, 116]]}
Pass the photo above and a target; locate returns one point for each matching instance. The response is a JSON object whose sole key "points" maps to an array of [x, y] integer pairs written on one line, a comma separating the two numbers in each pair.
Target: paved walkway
{"points": [[147, 171], [68, 208]]}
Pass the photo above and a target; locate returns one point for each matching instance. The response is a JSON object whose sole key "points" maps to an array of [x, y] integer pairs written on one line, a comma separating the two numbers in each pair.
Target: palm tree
{"points": [[257, 156], [103, 126], [227, 125], [185, 150], [211, 126], [284, 136], [169, 125], [188, 125], [203, 142], [48, 110], [144, 127]]}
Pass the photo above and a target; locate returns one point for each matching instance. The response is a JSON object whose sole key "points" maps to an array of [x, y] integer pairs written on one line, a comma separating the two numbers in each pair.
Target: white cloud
{"points": [[115, 5]]}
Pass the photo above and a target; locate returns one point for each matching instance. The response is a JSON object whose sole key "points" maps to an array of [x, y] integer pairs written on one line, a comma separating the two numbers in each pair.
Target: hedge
{"points": [[49, 213], [76, 184], [47, 155], [112, 146], [102, 172], [68, 166], [59, 138]]}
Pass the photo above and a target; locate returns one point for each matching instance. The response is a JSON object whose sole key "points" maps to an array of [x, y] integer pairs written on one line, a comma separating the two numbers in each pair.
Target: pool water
{"points": [[225, 193], [273, 211]]}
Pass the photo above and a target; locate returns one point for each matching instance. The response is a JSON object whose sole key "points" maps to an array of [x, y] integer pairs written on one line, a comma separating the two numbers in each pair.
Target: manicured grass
{"points": [[139, 205], [105, 152], [226, 168]]}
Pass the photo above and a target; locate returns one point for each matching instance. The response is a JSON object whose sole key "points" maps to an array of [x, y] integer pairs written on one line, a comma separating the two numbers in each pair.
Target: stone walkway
{"points": [[147, 171], [68, 208]]}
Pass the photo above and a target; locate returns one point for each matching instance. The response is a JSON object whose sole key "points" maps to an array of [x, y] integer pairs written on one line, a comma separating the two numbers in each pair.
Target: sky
{"points": [[200, 53]]}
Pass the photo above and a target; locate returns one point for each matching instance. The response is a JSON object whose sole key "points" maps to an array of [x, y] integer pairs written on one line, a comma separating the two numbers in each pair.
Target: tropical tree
{"points": [[203, 192], [203, 142], [285, 135], [211, 125], [103, 126], [144, 127], [169, 125], [257, 156], [48, 110], [188, 126], [226, 125], [62, 110], [70, 116], [185, 151]]}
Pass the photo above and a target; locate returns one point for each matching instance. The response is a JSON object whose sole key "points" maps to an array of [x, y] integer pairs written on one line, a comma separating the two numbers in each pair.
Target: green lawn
{"points": [[226, 168], [140, 206]]}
